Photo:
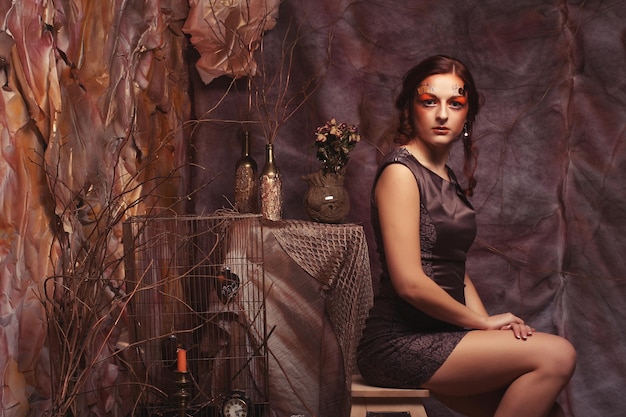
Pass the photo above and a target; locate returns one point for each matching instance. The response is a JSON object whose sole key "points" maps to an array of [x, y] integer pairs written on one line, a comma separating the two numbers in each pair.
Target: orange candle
{"points": [[182, 360]]}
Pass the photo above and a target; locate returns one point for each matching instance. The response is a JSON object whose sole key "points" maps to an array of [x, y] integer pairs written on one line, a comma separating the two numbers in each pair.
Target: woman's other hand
{"points": [[509, 321], [521, 331]]}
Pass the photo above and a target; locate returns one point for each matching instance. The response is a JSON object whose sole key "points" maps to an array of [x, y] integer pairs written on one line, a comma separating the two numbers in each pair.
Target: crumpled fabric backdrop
{"points": [[550, 203], [93, 93], [100, 92]]}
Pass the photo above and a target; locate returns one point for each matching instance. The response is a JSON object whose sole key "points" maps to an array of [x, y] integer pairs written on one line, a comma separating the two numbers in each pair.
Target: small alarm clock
{"points": [[236, 404]]}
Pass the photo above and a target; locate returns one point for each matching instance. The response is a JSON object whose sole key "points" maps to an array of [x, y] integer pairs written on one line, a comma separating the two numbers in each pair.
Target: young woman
{"points": [[428, 327]]}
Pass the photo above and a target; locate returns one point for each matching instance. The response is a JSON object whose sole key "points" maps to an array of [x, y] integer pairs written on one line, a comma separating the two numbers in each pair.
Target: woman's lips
{"points": [[441, 130]]}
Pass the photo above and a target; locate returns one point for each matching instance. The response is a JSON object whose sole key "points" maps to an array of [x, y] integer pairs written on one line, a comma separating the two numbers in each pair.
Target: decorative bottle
{"points": [[246, 179], [271, 187]]}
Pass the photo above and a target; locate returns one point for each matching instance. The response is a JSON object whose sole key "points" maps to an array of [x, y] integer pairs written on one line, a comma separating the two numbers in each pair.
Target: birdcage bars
{"points": [[196, 283]]}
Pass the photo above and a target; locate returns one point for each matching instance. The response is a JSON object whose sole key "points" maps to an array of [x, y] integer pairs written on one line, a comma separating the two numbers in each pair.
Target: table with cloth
{"points": [[318, 293]]}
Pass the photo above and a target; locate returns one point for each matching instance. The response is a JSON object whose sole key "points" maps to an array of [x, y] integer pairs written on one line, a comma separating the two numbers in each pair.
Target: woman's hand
{"points": [[521, 331], [508, 321]]}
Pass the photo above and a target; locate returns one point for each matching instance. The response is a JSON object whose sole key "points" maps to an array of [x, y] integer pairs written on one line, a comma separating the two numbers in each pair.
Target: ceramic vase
{"points": [[326, 200]]}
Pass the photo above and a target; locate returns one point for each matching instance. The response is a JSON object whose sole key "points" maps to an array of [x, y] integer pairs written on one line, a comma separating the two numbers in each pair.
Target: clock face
{"points": [[235, 407]]}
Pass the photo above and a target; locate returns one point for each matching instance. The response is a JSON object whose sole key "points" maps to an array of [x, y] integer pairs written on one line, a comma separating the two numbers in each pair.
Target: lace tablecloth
{"points": [[315, 273]]}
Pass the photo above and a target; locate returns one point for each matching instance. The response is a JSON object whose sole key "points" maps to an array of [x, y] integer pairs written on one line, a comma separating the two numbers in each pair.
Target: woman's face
{"points": [[440, 109]]}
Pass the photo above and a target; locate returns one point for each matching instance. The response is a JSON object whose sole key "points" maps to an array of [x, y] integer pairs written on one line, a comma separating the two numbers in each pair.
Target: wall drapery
{"points": [[93, 94], [96, 91], [550, 204]]}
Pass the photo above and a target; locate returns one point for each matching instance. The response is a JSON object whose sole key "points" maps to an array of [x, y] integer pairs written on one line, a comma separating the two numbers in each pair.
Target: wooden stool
{"points": [[367, 398]]}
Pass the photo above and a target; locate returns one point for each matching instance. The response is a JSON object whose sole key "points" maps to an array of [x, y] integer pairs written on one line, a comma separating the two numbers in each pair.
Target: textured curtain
{"points": [[92, 112], [550, 202], [109, 108]]}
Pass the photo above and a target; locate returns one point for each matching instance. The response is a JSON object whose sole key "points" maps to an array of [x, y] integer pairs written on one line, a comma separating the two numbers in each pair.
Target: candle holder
{"points": [[182, 395]]}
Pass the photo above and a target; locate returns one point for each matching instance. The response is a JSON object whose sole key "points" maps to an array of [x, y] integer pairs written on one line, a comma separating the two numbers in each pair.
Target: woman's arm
{"points": [[472, 299], [397, 199]]}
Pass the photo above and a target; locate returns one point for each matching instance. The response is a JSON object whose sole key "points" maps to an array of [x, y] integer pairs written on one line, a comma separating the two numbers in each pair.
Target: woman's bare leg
{"points": [[531, 372]]}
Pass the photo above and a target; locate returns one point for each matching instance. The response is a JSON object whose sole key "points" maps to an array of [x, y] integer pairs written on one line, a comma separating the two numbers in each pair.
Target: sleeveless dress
{"points": [[401, 346]]}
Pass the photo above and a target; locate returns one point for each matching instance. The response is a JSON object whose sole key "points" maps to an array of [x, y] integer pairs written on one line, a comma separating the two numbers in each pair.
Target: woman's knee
{"points": [[568, 357], [559, 357]]}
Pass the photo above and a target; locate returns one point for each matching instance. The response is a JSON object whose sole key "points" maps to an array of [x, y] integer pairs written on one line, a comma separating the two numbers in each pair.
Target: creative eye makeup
{"points": [[426, 100], [428, 88], [458, 102], [425, 89], [459, 91], [429, 96], [430, 100]]}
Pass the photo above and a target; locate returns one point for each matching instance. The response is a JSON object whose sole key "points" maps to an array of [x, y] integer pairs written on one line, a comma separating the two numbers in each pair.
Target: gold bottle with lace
{"points": [[246, 179], [271, 187]]}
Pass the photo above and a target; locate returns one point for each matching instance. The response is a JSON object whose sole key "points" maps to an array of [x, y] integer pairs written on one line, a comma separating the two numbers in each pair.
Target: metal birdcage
{"points": [[196, 283]]}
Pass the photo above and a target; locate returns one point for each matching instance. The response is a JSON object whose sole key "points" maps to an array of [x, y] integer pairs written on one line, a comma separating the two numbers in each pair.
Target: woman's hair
{"points": [[440, 64]]}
